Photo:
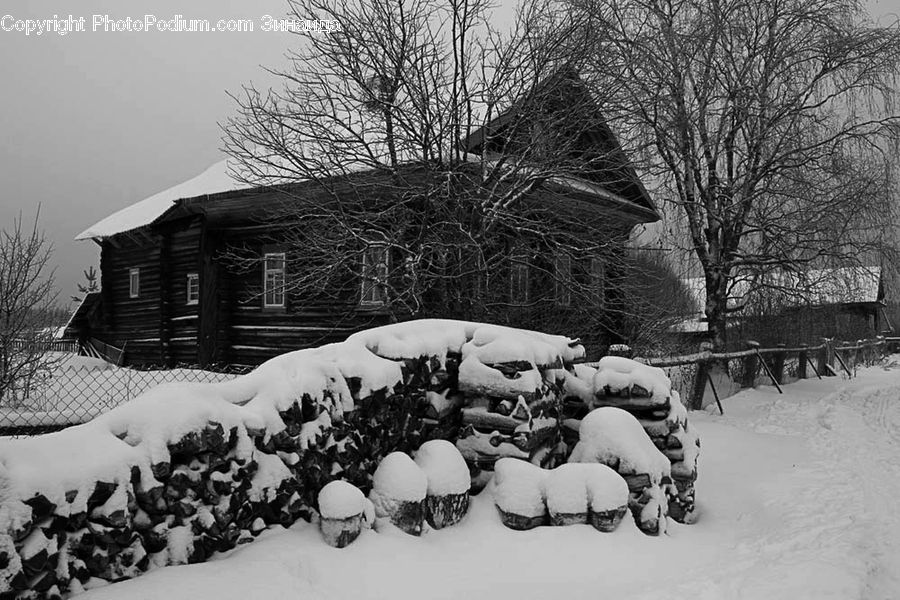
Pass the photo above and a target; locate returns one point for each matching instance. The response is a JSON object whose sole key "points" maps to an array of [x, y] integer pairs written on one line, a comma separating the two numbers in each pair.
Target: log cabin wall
{"points": [[179, 318], [159, 327], [131, 323], [252, 333]]}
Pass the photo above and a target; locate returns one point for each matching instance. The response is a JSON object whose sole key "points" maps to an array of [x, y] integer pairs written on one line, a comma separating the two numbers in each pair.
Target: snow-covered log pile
{"points": [[613, 437], [513, 387], [646, 394], [188, 470], [528, 496]]}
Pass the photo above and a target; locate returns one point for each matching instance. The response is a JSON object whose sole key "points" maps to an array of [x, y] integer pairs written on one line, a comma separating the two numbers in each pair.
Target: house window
{"points": [[598, 279], [518, 283], [193, 288], [134, 283], [273, 280], [563, 281], [374, 275]]}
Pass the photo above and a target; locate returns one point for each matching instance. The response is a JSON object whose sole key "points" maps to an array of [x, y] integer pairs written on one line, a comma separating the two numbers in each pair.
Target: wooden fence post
{"points": [[778, 363], [700, 380], [801, 362], [751, 364], [826, 358]]}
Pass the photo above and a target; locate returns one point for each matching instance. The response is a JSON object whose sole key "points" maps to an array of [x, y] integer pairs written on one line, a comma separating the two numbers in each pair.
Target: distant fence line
{"points": [[70, 346], [693, 374]]}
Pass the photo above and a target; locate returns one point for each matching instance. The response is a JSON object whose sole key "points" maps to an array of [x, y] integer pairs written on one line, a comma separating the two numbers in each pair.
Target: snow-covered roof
{"points": [[844, 285], [213, 180]]}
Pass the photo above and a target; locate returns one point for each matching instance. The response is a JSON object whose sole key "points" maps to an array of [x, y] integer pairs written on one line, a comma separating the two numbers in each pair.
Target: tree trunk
{"points": [[716, 308]]}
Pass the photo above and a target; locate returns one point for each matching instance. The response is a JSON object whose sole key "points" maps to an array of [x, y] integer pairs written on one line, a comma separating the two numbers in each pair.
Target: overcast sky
{"points": [[92, 122]]}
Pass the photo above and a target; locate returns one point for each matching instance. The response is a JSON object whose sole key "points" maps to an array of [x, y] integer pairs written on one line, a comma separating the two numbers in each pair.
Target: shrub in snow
{"points": [[518, 490], [448, 483], [342, 512], [398, 492]]}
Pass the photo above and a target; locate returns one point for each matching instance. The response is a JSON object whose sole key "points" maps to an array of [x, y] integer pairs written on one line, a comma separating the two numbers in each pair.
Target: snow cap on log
{"points": [[518, 487], [397, 478], [614, 437], [341, 500], [617, 374], [444, 467]]}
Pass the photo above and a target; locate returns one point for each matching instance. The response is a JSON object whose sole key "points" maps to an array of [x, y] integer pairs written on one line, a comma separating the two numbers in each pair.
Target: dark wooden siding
{"points": [[129, 323], [181, 319], [251, 334]]}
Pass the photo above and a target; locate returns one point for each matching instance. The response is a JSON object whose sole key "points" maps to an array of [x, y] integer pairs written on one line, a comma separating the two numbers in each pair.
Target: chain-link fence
{"points": [[76, 390]]}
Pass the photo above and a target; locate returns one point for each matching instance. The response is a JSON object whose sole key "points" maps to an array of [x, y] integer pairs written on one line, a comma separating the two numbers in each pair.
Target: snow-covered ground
{"points": [[798, 500]]}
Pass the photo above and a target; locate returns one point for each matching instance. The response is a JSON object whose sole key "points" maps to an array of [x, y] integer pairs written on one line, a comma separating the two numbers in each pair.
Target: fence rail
{"points": [[695, 375], [68, 346]]}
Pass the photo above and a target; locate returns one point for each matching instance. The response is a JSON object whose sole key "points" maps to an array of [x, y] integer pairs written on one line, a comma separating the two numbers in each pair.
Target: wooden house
{"points": [[168, 297], [840, 302]]}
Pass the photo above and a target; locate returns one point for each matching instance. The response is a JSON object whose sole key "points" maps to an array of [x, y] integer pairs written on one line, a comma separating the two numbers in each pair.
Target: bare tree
{"points": [[770, 123], [27, 305], [402, 93]]}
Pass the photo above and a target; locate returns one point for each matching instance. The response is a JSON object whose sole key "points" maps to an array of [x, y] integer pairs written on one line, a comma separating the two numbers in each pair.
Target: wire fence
{"points": [[76, 389], [70, 393]]}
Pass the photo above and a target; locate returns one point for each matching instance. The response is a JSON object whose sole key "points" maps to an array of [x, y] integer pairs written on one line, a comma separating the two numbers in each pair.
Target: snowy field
{"points": [[798, 496]]}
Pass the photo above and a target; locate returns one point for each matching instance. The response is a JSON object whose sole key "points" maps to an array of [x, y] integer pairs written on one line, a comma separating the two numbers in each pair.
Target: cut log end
{"points": [[447, 510], [519, 522], [340, 533]]}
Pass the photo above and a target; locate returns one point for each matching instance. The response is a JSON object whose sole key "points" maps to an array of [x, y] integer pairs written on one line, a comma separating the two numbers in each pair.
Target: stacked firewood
{"points": [[265, 445], [645, 393], [527, 496], [503, 419], [209, 496], [680, 444]]}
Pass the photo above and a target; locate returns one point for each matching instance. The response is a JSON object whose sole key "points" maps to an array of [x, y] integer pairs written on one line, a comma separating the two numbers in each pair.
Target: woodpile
{"points": [[185, 472], [679, 442], [645, 393], [447, 499], [527, 496], [507, 421], [343, 511], [398, 492], [614, 437], [209, 496]]}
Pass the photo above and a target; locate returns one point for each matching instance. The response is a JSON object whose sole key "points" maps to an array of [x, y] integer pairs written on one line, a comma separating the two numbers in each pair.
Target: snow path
{"points": [[798, 499]]}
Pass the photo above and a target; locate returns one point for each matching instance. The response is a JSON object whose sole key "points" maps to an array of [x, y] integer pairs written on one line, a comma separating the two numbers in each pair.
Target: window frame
{"points": [[134, 282], [519, 273], [192, 278], [277, 290], [373, 288]]}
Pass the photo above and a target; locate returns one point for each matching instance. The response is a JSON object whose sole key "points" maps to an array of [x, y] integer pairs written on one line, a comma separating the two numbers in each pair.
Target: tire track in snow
{"points": [[861, 435]]}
